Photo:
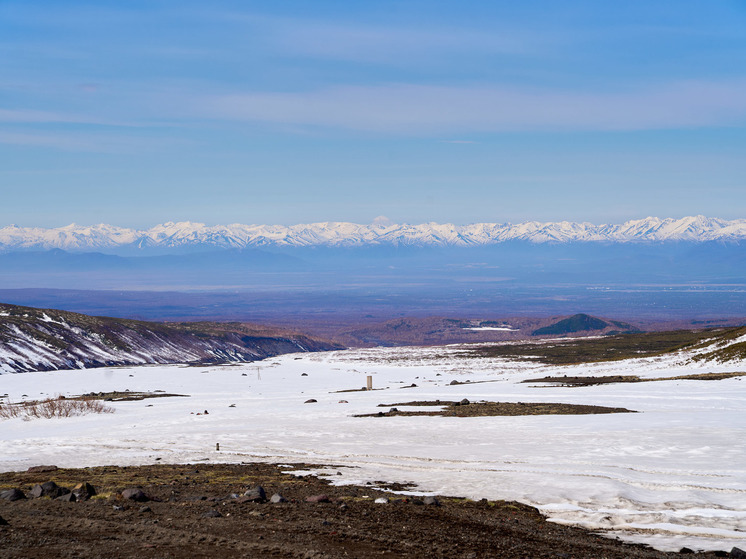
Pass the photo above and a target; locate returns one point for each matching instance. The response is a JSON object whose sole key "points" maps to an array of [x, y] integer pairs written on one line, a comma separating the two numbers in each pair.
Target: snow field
{"points": [[672, 475]]}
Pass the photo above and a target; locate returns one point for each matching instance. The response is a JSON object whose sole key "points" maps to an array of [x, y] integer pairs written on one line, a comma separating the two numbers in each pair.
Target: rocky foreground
{"points": [[257, 511]]}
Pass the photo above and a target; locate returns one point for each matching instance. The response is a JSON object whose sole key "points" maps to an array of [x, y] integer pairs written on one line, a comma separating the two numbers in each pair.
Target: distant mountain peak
{"points": [[382, 231]]}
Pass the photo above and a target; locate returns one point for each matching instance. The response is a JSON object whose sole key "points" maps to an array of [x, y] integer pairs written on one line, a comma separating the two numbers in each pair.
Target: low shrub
{"points": [[53, 407]]}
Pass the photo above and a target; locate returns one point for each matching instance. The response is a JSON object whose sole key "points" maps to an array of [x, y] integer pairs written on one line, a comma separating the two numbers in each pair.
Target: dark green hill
{"points": [[581, 323]]}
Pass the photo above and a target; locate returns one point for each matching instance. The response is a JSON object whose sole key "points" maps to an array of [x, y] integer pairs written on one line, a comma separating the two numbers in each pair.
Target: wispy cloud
{"points": [[371, 43], [424, 109], [91, 143]]}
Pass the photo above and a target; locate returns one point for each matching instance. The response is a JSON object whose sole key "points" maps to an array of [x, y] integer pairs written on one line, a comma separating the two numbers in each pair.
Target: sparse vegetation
{"points": [[607, 348], [484, 409], [590, 381], [53, 407]]}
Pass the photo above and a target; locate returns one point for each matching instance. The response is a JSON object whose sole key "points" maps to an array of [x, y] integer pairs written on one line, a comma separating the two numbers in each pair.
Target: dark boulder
{"points": [[48, 489], [310, 401], [135, 494], [257, 495], [738, 553], [67, 498], [12, 495], [3, 522]]}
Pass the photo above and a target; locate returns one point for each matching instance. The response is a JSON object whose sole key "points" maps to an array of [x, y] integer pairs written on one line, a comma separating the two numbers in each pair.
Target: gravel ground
{"points": [[193, 512]]}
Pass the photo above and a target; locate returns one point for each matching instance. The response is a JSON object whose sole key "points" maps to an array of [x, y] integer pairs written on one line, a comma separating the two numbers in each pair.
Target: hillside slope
{"points": [[43, 339]]}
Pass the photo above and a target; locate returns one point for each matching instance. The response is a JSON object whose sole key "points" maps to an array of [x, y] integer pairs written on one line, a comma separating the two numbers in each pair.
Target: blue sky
{"points": [[136, 113]]}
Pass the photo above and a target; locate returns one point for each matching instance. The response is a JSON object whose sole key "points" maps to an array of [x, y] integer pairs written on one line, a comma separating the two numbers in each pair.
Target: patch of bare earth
{"points": [[193, 512], [483, 409], [613, 379]]}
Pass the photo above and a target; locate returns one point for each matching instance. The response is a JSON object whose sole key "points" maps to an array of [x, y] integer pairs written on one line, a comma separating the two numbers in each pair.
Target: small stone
{"points": [[686, 551], [464, 402], [257, 494], [318, 499], [12, 495], [212, 514], [135, 494], [145, 509], [304, 374], [454, 383], [118, 508], [277, 498], [310, 401], [41, 469], [393, 410], [381, 501], [431, 501], [343, 402]]}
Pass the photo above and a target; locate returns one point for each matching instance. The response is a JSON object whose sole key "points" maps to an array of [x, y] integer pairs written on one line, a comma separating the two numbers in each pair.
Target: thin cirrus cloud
{"points": [[389, 44], [424, 109]]}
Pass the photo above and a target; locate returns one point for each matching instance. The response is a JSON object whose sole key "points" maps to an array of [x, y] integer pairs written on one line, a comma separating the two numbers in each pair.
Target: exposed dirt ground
{"points": [[351, 524], [465, 408]]}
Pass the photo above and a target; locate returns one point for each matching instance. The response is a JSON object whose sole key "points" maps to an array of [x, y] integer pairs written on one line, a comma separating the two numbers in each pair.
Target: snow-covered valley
{"points": [[673, 474]]}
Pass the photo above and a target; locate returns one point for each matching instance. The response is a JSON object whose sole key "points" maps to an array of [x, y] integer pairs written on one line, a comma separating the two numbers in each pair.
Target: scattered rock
{"points": [[67, 498], [393, 410], [686, 551], [431, 501], [41, 469], [84, 491], [464, 402], [12, 495], [135, 494], [304, 374], [318, 499], [257, 495], [48, 489], [343, 402], [212, 514], [145, 509], [310, 401], [382, 501], [277, 498], [454, 383]]}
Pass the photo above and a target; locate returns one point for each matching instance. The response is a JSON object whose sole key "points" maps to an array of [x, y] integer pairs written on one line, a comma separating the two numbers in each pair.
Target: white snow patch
{"points": [[672, 475]]}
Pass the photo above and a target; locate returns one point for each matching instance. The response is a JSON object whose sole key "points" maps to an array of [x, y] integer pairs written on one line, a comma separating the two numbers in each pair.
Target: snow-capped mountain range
{"points": [[381, 232]]}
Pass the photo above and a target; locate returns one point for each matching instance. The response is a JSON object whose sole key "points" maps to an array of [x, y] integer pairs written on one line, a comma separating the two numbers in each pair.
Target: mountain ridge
{"points": [[34, 339], [189, 235]]}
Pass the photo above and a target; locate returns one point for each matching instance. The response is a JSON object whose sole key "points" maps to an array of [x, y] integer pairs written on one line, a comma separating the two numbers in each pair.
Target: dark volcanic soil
{"points": [[350, 525]]}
